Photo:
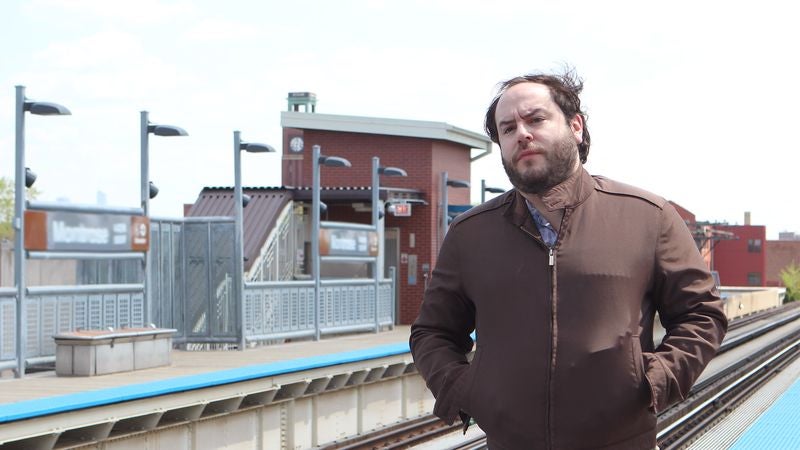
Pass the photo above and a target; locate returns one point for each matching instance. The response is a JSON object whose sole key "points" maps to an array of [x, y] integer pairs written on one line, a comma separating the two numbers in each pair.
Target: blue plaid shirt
{"points": [[549, 235]]}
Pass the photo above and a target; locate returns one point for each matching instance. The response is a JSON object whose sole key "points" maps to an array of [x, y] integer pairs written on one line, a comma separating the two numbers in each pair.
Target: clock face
{"points": [[296, 144]]}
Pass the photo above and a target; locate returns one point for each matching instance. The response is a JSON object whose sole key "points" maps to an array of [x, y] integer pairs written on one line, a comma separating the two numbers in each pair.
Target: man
{"points": [[561, 278]]}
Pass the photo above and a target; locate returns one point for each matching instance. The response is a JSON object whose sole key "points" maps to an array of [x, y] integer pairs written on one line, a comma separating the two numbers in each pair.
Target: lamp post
{"points": [[489, 189], [447, 182], [317, 161], [238, 235], [149, 191], [377, 215], [23, 178]]}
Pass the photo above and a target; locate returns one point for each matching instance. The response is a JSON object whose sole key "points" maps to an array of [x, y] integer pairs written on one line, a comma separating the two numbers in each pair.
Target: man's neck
{"points": [[554, 216]]}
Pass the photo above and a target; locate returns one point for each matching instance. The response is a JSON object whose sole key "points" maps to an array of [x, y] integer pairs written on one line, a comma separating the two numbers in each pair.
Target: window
{"points": [[754, 279], [754, 245]]}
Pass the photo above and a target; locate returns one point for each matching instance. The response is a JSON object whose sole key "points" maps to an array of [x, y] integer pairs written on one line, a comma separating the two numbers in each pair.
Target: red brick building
{"points": [[423, 149], [741, 261]]}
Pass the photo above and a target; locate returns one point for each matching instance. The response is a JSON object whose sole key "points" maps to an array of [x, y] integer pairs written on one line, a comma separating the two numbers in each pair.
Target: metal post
{"points": [[238, 244], [315, 263], [19, 228], [483, 190], [144, 138], [375, 219], [444, 208]]}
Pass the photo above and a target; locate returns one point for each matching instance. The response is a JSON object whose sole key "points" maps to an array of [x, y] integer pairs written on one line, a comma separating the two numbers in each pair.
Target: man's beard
{"points": [[560, 162]]}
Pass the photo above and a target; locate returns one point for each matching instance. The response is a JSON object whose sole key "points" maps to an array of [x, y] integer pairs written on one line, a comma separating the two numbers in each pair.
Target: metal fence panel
{"points": [[8, 327], [276, 310], [224, 290], [197, 279]]}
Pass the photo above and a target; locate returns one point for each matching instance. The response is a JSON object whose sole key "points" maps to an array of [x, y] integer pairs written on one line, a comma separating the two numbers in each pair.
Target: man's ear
{"points": [[576, 125]]}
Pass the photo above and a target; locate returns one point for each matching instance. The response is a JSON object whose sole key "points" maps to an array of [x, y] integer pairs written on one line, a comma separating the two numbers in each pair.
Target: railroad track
{"points": [[678, 426]]}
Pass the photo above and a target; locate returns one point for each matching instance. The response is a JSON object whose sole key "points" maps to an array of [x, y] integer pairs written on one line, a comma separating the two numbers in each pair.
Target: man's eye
{"points": [[507, 130]]}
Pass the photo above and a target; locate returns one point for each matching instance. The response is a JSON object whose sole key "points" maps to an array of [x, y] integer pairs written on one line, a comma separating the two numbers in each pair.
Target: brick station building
{"points": [[412, 204]]}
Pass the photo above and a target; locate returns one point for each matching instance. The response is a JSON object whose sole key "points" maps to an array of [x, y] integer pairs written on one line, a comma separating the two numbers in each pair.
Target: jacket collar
{"points": [[569, 194]]}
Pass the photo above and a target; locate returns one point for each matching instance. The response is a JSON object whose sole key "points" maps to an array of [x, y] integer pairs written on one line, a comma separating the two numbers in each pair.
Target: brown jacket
{"points": [[565, 356]]}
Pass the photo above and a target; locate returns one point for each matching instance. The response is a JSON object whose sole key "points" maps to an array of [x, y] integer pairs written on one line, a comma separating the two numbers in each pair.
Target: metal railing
{"points": [[55, 309], [276, 310]]}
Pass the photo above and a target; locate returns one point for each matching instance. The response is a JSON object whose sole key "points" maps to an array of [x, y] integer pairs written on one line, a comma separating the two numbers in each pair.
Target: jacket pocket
{"points": [[469, 396], [639, 370], [637, 359]]}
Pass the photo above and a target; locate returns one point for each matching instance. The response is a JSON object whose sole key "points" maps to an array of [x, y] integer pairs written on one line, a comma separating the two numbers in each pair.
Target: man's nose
{"points": [[524, 135]]}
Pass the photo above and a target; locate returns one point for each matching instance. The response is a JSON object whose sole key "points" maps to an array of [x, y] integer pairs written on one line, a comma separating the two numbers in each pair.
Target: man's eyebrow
{"points": [[525, 115]]}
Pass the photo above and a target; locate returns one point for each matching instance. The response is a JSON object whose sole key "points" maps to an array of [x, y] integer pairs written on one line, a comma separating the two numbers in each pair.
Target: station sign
{"points": [[85, 232], [347, 242]]}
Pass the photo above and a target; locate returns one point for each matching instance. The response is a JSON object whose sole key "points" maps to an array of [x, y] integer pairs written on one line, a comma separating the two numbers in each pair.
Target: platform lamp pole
{"points": [[447, 182], [24, 178], [377, 216], [318, 160], [149, 191], [489, 189], [239, 202]]}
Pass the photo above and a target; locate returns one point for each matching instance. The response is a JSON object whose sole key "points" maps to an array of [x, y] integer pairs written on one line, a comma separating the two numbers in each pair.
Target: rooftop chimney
{"points": [[305, 99], [747, 217]]}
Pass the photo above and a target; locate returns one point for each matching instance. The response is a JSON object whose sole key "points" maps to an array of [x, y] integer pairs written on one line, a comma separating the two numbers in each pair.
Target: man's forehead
{"points": [[527, 94]]}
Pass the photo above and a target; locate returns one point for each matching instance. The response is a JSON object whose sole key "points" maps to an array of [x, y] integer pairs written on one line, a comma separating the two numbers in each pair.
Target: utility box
{"points": [[100, 352]]}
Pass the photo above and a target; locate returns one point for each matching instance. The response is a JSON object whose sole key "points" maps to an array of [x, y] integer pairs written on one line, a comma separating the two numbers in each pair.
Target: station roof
{"points": [[266, 204], [390, 127]]}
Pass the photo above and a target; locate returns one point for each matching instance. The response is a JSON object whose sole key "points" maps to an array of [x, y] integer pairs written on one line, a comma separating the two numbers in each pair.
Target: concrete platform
{"points": [[47, 384]]}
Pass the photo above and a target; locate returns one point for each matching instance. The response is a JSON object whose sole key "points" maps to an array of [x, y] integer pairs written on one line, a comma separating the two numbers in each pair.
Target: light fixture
{"points": [[153, 190], [30, 177]]}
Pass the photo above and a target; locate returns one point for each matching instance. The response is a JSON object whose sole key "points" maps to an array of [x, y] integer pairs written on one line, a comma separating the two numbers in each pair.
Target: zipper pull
{"points": [[552, 257]]}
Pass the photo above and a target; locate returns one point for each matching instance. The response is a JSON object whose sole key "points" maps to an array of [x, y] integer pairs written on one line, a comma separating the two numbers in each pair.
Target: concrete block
{"points": [[113, 358], [98, 352]]}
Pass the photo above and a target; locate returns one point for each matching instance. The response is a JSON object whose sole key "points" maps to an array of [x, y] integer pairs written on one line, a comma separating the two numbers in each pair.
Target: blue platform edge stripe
{"points": [[778, 427], [80, 400]]}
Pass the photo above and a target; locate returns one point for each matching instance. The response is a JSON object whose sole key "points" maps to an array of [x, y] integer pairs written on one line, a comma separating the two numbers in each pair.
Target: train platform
{"points": [[769, 419], [194, 363], [291, 395]]}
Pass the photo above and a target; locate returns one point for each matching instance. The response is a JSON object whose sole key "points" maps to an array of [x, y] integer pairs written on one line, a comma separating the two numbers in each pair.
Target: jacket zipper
{"points": [[548, 382], [551, 263], [553, 348]]}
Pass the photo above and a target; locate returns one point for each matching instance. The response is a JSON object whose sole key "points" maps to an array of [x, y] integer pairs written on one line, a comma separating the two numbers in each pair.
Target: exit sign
{"points": [[402, 209]]}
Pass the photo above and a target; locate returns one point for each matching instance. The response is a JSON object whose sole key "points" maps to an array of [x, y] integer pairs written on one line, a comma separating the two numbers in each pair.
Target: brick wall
{"points": [[779, 255], [737, 258]]}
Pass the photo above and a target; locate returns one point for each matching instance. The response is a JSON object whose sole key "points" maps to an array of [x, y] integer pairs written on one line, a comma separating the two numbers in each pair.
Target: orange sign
{"points": [[85, 232]]}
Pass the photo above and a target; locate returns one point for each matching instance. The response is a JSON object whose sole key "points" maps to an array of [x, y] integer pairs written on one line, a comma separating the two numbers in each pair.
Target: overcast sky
{"points": [[695, 101]]}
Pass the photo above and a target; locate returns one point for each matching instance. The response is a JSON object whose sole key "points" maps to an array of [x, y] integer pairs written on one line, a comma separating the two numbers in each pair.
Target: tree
{"points": [[790, 275], [7, 206]]}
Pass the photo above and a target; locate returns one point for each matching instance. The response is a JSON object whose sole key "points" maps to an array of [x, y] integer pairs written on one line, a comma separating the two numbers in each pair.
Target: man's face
{"points": [[539, 148]]}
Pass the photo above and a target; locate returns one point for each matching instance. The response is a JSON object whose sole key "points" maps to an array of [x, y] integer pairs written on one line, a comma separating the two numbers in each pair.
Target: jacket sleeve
{"points": [[690, 310], [440, 336]]}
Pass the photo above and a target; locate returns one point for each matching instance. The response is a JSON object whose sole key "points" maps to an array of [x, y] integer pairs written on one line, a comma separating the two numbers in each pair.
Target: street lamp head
{"points": [[333, 161], [46, 109], [166, 130], [254, 147], [458, 183], [494, 190], [152, 190], [30, 177], [392, 171], [245, 200]]}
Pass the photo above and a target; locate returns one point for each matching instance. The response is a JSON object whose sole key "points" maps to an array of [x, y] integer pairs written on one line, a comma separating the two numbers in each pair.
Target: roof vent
{"points": [[308, 100]]}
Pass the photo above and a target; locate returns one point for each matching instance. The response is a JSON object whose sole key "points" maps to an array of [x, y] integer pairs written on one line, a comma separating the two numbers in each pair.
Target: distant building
{"points": [[780, 254], [788, 236], [741, 261]]}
